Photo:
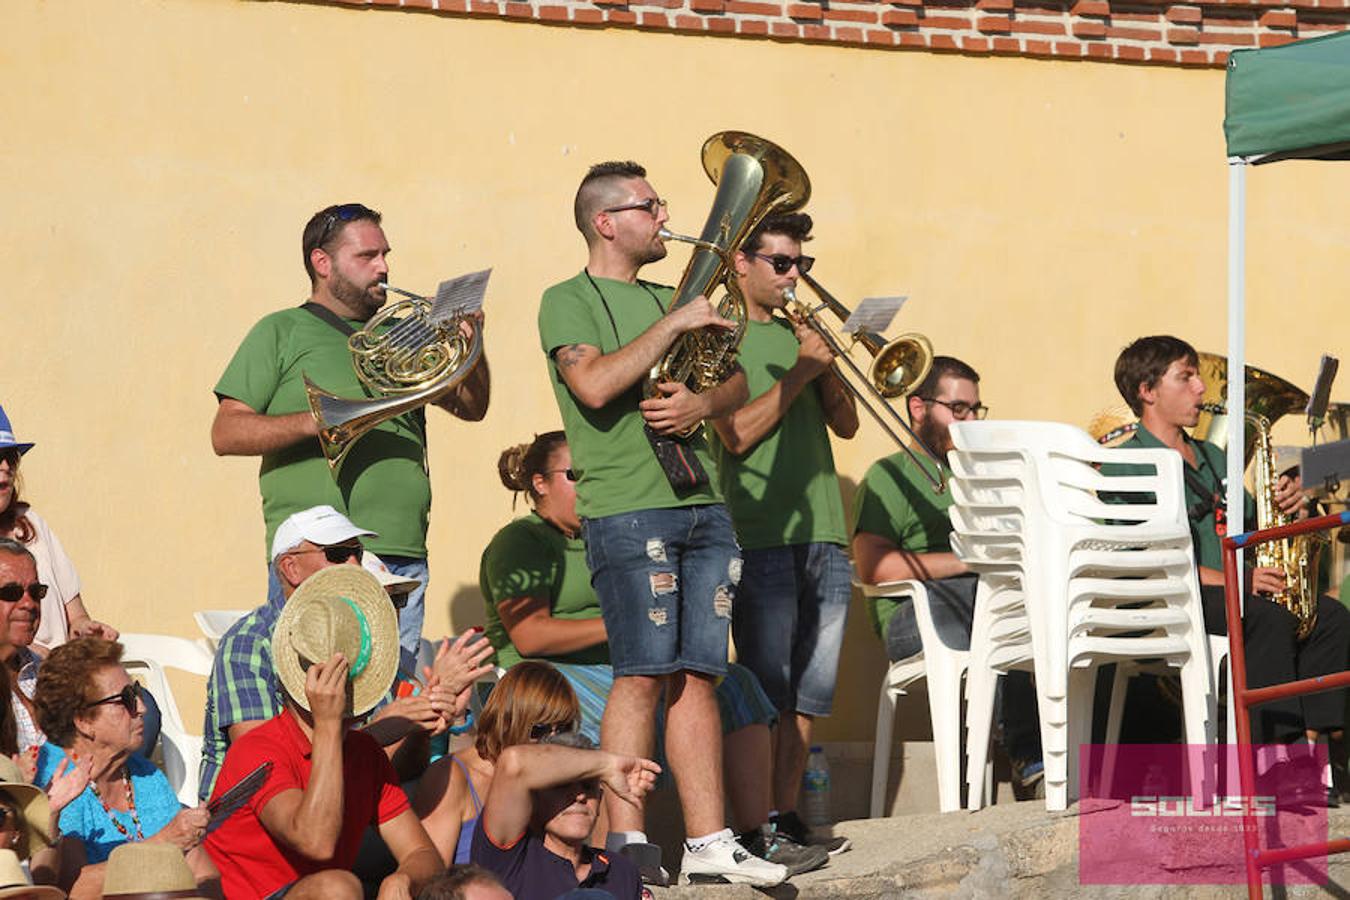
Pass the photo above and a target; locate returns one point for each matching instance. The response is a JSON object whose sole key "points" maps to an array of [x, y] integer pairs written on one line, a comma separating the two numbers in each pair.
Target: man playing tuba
{"points": [[263, 410], [663, 560]]}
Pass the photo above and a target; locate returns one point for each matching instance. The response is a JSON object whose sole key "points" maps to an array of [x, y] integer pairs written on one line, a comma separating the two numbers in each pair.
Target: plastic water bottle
{"points": [[815, 802]]}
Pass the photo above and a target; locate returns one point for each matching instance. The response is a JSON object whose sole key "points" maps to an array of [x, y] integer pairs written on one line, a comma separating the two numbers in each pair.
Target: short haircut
{"points": [[1147, 360], [11, 547], [596, 189], [530, 693], [795, 225], [64, 681], [944, 367], [453, 883], [326, 226]]}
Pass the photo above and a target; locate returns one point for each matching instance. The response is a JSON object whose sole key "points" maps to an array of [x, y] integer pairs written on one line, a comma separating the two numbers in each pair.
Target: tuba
{"points": [[754, 178], [407, 355], [898, 367]]}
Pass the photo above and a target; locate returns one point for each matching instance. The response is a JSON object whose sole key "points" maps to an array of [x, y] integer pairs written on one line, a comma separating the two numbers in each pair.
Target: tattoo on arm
{"points": [[569, 355]]}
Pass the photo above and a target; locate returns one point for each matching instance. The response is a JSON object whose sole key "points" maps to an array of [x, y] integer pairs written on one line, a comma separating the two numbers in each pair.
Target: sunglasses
{"points": [[570, 473], [549, 729], [782, 263], [11, 455], [347, 212], [129, 697], [334, 553], [652, 206], [13, 591]]}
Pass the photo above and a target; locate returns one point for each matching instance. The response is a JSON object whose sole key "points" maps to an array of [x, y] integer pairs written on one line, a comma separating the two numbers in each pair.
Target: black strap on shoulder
{"points": [[330, 317]]}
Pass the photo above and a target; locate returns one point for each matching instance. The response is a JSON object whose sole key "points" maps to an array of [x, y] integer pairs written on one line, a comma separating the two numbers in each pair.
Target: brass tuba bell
{"points": [[406, 356], [754, 179]]}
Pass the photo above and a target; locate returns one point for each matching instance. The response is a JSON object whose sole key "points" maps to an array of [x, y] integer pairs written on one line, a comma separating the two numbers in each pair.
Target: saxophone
{"points": [[1296, 557]]}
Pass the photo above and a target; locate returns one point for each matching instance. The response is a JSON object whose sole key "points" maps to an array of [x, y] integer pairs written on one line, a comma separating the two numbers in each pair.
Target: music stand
{"points": [[1326, 467]]}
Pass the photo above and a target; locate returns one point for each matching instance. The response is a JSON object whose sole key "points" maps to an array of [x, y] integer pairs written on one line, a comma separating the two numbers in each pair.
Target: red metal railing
{"points": [[1244, 698]]}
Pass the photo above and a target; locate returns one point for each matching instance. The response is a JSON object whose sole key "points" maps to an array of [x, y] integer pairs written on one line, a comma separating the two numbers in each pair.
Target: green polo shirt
{"points": [[784, 490], [616, 468], [1207, 480], [530, 558], [383, 483], [897, 501]]}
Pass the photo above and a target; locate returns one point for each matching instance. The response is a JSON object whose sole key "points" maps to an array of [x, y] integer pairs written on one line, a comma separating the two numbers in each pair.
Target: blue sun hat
{"points": [[7, 438]]}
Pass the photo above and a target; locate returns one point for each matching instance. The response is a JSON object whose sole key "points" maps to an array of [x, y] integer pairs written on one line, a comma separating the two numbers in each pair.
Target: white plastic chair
{"points": [[215, 622], [944, 668], [149, 655]]}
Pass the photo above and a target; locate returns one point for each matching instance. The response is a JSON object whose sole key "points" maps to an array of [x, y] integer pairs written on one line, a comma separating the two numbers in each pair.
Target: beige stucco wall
{"points": [[161, 156]]}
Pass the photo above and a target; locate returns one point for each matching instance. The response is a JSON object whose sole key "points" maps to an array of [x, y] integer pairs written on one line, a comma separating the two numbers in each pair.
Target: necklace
{"points": [[131, 808]]}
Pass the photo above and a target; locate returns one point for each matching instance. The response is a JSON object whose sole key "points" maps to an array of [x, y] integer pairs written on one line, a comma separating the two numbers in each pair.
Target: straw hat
{"points": [[1114, 425], [338, 609], [14, 883], [32, 804], [149, 870]]}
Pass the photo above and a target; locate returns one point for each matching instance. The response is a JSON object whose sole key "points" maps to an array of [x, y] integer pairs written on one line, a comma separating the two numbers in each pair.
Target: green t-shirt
{"points": [[897, 501], [784, 490], [616, 467], [530, 558], [1210, 473], [383, 483]]}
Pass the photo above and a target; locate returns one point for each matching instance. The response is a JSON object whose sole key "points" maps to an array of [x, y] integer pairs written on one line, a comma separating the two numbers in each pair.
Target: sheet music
{"points": [[459, 295], [873, 314]]}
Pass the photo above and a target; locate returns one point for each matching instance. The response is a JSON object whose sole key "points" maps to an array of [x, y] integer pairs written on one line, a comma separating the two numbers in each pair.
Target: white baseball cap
{"points": [[394, 584], [320, 525]]}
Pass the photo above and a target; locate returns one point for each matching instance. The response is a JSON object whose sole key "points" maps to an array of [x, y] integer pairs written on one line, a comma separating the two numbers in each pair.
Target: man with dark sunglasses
{"points": [[243, 691], [777, 473], [264, 411]]}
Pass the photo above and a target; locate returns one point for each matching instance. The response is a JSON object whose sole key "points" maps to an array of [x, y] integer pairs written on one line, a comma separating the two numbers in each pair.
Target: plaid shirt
{"points": [[243, 687], [29, 733]]}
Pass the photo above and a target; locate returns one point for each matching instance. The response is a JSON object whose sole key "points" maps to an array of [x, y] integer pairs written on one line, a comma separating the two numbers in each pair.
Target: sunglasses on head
{"points": [[129, 697], [782, 263], [548, 729], [13, 591], [347, 212]]}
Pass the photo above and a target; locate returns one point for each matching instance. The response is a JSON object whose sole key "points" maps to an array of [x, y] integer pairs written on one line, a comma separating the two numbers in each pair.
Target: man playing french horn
{"points": [[663, 559], [263, 409], [1159, 378]]}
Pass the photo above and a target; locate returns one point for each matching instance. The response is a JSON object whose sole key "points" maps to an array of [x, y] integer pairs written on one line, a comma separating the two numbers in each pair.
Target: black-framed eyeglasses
{"points": [[129, 697], [782, 263], [960, 408], [652, 206], [543, 730], [347, 212], [570, 473], [13, 591], [334, 553]]}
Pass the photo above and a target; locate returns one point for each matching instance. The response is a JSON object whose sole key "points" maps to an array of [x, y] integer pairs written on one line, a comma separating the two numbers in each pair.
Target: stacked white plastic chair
{"points": [[215, 622], [148, 655], [1068, 590]]}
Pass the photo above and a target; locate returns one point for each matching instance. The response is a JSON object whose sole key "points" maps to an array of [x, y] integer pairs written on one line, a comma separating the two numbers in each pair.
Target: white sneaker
{"points": [[724, 861]]}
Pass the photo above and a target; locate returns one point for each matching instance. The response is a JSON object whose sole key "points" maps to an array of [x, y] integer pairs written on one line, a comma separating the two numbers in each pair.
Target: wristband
{"points": [[465, 725]]}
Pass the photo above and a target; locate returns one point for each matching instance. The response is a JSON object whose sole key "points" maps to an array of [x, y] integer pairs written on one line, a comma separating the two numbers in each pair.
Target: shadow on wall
{"points": [[466, 608]]}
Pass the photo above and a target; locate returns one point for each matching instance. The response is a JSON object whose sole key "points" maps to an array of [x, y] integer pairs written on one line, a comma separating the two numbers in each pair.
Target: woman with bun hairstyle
{"points": [[540, 605]]}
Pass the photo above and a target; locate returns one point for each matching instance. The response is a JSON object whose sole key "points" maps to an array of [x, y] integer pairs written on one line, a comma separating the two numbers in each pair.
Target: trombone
{"points": [[898, 367]]}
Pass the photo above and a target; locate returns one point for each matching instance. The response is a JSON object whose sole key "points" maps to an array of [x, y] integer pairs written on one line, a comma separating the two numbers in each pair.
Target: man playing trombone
{"points": [[263, 409], [777, 473]]}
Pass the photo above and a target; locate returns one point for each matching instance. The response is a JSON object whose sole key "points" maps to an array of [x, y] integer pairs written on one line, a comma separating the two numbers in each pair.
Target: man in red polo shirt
{"points": [[298, 835]]}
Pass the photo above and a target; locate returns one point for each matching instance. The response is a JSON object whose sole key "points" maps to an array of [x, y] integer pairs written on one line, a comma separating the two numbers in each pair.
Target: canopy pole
{"points": [[1237, 341]]}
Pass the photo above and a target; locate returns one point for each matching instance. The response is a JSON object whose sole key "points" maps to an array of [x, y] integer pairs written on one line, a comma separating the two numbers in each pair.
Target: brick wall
{"points": [[1161, 33]]}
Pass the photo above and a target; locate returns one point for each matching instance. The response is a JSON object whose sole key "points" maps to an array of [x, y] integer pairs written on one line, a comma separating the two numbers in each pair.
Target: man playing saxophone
{"points": [[1159, 378], [663, 560], [263, 410]]}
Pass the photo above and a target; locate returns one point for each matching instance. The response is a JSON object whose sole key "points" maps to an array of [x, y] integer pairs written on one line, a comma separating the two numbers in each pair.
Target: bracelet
{"points": [[465, 726]]}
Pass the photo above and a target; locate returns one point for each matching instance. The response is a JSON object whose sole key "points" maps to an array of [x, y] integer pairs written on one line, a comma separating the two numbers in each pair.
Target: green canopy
{"points": [[1289, 102]]}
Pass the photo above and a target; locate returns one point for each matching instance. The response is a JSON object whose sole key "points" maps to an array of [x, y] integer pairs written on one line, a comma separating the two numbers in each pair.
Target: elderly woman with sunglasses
{"points": [[92, 713], [63, 613]]}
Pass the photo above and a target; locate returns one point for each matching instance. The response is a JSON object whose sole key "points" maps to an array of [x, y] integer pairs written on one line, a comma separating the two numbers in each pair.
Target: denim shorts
{"points": [[952, 602], [789, 622], [666, 579]]}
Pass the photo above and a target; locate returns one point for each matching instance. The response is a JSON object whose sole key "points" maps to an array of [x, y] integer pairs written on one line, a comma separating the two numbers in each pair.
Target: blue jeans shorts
{"points": [[666, 579], [789, 622]]}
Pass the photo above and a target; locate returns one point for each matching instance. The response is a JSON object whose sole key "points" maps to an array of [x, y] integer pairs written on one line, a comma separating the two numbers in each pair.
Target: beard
{"points": [[355, 297], [655, 253], [934, 436]]}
